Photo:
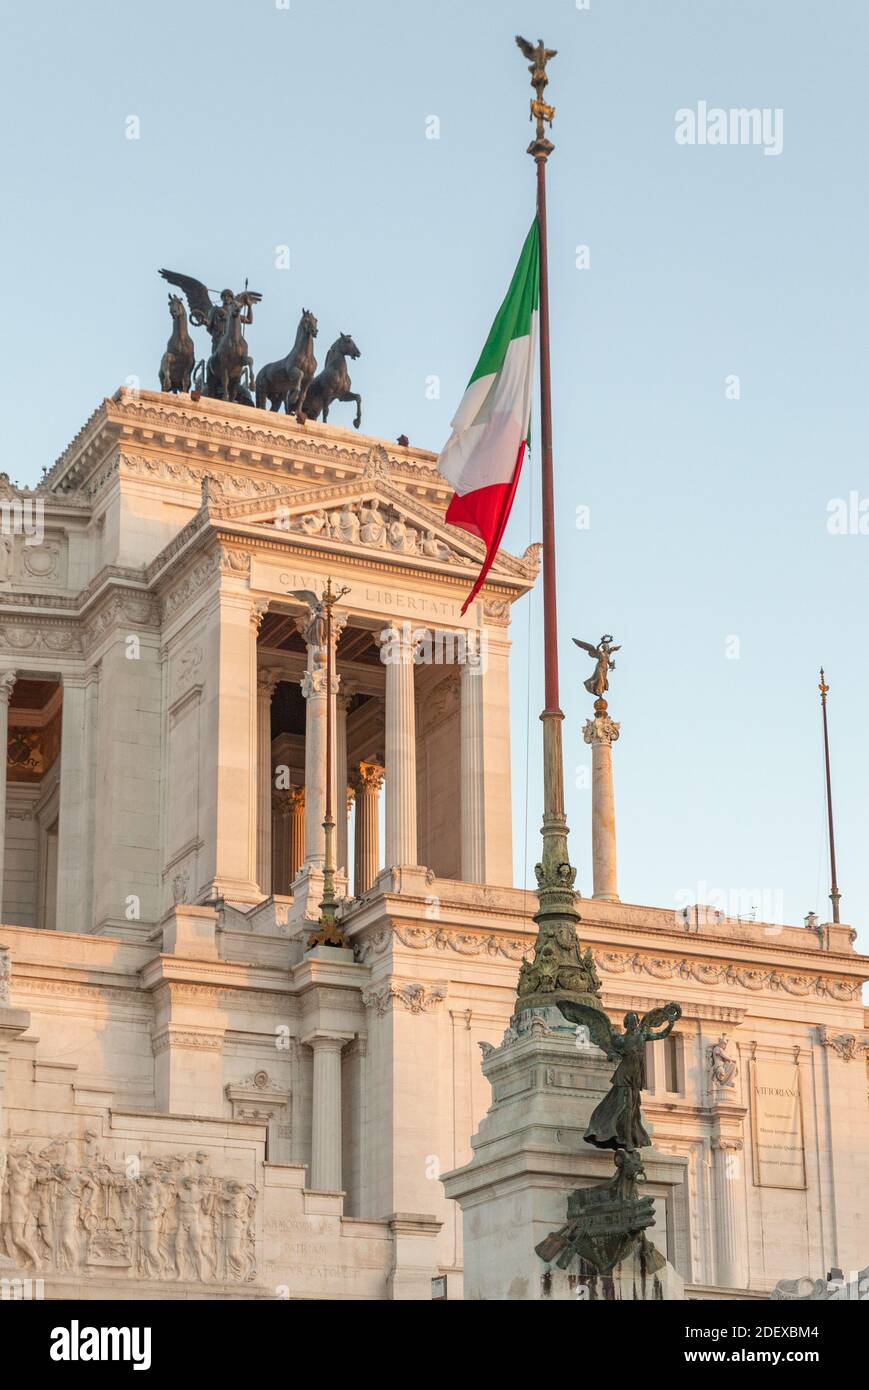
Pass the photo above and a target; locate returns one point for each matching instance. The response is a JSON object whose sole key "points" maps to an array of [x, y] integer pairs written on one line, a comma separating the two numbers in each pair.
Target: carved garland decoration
{"points": [[416, 998], [616, 963]]}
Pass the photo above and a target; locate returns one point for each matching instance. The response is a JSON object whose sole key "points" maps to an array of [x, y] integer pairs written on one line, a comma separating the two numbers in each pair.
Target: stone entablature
{"points": [[229, 435]]}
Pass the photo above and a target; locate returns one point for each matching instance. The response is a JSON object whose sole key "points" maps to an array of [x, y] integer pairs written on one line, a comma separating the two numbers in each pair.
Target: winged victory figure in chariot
{"points": [[228, 373]]}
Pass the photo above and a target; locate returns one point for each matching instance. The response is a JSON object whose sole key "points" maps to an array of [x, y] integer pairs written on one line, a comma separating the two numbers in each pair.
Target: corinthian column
{"points": [[289, 837], [602, 732], [367, 781], [396, 653], [341, 802], [471, 774], [265, 688], [7, 685], [314, 690]]}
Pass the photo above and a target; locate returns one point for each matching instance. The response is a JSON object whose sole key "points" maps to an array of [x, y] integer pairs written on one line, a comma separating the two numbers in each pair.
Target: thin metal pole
{"points": [[329, 711], [550, 611], [835, 895]]}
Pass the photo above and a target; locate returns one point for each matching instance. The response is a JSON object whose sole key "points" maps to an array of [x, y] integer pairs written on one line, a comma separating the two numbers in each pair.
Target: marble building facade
{"points": [[193, 1103]]}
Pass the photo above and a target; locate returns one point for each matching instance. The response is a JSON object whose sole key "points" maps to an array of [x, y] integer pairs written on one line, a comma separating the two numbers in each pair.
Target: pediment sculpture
{"points": [[372, 524]]}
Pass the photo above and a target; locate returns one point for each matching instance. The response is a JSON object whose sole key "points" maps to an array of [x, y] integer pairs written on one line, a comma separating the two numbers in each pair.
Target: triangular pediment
{"points": [[369, 514]]}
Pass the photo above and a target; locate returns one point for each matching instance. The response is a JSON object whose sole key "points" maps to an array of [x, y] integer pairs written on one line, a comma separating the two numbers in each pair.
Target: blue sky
{"points": [[306, 127]]}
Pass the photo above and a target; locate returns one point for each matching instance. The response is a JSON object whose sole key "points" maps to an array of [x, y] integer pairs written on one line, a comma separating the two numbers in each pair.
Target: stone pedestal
{"points": [[529, 1155]]}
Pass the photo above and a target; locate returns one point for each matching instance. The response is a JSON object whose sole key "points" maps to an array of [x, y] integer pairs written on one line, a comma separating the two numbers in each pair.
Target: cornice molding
{"points": [[265, 439]]}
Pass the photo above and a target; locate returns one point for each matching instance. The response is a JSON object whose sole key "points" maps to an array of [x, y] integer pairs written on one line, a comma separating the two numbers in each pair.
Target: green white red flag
{"points": [[483, 456]]}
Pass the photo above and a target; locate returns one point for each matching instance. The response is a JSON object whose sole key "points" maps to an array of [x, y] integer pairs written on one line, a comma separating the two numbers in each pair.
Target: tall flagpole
{"points": [[559, 969], [835, 895]]}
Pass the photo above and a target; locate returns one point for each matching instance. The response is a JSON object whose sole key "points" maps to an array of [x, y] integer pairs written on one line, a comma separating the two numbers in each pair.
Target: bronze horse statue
{"points": [[333, 383], [177, 361], [230, 361], [286, 382]]}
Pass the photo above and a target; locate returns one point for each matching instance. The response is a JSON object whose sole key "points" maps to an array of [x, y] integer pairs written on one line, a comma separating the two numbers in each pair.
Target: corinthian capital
{"points": [[601, 729], [367, 777], [267, 678], [311, 625], [314, 682], [7, 685]]}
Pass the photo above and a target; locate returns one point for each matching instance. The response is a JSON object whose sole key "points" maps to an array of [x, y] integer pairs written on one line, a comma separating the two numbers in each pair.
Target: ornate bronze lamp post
{"points": [[329, 932]]}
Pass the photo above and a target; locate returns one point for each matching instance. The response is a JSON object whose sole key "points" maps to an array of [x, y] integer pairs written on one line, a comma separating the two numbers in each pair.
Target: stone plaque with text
{"points": [[779, 1154]]}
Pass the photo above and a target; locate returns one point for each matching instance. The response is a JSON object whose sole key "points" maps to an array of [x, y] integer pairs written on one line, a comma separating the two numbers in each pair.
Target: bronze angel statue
{"points": [[617, 1122], [602, 653], [229, 360]]}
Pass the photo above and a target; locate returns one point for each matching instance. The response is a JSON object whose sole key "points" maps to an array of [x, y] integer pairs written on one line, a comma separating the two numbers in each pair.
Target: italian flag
{"points": [[482, 458]]}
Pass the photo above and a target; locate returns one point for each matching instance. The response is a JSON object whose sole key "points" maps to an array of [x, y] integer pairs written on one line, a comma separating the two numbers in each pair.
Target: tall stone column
{"points": [[7, 685], [326, 1120], [342, 804], [396, 653], [266, 682], [473, 815], [72, 820], [730, 1238], [367, 781], [314, 690], [288, 840], [296, 832], [602, 732]]}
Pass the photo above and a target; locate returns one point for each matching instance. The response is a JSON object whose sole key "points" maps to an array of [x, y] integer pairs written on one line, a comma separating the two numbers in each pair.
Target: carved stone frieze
{"points": [[225, 485], [614, 962], [190, 585], [379, 940], [121, 608], [41, 636], [233, 561], [161, 1217], [738, 976]]}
